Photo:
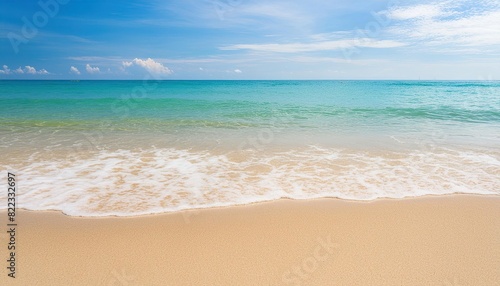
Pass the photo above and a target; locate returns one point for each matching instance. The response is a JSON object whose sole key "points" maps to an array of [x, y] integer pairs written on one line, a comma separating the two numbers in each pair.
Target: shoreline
{"points": [[430, 240], [169, 180], [239, 205]]}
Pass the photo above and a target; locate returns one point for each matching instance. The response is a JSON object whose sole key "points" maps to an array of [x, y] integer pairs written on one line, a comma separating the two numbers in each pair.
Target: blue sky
{"points": [[250, 39]]}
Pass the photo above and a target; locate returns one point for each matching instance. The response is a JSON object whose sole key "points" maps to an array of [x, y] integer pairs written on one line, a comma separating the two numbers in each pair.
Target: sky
{"points": [[250, 39]]}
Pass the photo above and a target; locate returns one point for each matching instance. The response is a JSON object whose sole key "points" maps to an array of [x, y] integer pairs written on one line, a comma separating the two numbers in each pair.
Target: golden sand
{"points": [[452, 240]]}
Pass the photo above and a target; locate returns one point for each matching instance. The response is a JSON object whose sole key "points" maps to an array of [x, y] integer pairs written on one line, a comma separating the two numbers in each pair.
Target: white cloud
{"points": [[5, 70], [30, 70], [27, 70], [317, 46], [92, 70], [237, 71], [417, 11], [454, 25], [74, 70], [150, 65]]}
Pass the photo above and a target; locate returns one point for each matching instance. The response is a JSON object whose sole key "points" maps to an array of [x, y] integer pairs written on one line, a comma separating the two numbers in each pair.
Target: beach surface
{"points": [[445, 240]]}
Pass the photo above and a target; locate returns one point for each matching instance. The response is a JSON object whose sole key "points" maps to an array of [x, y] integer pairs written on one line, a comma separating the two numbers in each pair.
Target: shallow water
{"points": [[96, 148]]}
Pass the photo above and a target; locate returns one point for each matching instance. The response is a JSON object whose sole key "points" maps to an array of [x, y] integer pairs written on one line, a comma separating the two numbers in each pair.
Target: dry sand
{"points": [[452, 240]]}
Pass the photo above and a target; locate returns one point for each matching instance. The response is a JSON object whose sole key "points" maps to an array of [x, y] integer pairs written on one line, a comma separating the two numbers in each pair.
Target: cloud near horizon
{"points": [[92, 70], [27, 70], [74, 70], [149, 65]]}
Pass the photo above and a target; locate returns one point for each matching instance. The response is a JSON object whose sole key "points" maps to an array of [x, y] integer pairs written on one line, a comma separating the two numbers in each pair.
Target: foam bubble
{"points": [[127, 183]]}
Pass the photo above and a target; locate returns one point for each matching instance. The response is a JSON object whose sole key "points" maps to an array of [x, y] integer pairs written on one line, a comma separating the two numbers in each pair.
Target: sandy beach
{"points": [[451, 240], [230, 143]]}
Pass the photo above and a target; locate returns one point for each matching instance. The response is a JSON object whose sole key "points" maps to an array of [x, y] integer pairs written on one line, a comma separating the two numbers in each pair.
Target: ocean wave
{"points": [[129, 183]]}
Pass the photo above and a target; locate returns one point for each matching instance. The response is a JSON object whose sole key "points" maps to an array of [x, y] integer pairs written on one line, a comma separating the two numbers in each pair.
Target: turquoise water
{"points": [[233, 102], [210, 143]]}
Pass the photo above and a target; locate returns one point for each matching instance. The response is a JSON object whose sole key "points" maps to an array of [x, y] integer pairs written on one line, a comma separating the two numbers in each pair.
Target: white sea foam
{"points": [[127, 183]]}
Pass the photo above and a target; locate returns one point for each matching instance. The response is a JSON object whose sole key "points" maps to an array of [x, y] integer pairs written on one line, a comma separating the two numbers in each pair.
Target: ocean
{"points": [[126, 148]]}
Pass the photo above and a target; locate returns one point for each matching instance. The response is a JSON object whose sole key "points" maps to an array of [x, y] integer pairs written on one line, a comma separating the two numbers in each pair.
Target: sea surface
{"points": [[125, 148]]}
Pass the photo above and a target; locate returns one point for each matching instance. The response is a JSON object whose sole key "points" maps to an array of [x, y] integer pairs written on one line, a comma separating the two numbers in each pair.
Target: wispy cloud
{"points": [[257, 15], [421, 11], [267, 14], [450, 23], [317, 46]]}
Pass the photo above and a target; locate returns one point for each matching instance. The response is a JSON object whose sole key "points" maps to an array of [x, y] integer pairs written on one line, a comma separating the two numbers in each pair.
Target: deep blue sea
{"points": [[98, 148]]}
